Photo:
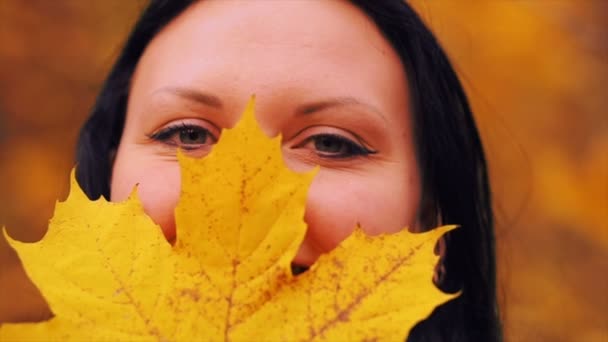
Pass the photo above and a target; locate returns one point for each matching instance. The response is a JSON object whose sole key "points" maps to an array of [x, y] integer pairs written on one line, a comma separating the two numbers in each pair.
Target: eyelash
{"points": [[166, 134], [353, 149]]}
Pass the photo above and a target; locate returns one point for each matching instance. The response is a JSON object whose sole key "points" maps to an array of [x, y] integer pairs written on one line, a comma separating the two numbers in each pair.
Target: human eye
{"points": [[187, 136], [335, 146]]}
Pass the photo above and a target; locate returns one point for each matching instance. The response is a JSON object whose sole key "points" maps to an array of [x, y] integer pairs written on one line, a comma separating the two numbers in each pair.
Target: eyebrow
{"points": [[318, 106], [211, 100], [195, 96]]}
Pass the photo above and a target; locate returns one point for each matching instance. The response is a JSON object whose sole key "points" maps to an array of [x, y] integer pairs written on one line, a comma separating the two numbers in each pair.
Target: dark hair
{"points": [[449, 151]]}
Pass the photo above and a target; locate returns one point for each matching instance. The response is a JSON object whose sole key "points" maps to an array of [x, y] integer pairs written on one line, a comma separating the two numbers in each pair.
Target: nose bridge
{"points": [[276, 93]]}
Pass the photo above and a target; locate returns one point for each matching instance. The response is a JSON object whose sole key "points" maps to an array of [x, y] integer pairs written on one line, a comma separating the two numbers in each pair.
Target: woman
{"points": [[360, 88]]}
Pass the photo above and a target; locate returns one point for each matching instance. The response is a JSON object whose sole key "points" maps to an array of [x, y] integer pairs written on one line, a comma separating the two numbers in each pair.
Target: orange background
{"points": [[536, 73]]}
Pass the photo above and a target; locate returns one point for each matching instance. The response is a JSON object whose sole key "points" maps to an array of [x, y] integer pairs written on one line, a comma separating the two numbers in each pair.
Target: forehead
{"points": [[237, 48]]}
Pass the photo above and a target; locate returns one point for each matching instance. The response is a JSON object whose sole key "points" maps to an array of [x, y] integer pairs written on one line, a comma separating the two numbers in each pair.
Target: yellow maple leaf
{"points": [[108, 273]]}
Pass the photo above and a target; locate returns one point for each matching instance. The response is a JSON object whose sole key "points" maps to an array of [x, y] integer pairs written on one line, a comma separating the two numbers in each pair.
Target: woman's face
{"points": [[324, 78]]}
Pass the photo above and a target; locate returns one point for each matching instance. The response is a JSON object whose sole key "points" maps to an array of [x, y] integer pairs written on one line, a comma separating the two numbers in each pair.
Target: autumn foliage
{"points": [[535, 72]]}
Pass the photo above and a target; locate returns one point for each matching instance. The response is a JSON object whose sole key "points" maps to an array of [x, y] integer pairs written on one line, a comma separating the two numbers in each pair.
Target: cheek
{"points": [[337, 203], [158, 188]]}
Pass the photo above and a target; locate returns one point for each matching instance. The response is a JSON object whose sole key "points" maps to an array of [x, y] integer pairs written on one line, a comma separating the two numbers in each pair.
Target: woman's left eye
{"points": [[335, 146], [186, 136]]}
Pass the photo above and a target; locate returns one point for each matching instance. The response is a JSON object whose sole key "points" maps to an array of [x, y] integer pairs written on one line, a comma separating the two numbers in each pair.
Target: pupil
{"points": [[192, 136], [327, 144]]}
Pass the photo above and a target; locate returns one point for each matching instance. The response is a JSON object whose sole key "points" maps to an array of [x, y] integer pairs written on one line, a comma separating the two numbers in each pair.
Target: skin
{"points": [[317, 68]]}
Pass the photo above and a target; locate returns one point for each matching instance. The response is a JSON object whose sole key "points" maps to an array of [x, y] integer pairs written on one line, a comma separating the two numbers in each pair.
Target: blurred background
{"points": [[536, 73]]}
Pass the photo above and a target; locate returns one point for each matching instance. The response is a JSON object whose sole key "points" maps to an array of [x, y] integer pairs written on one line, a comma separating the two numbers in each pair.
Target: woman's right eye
{"points": [[186, 136]]}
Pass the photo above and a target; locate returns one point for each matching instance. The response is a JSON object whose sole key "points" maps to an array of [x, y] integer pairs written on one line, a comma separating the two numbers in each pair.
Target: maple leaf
{"points": [[108, 273]]}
